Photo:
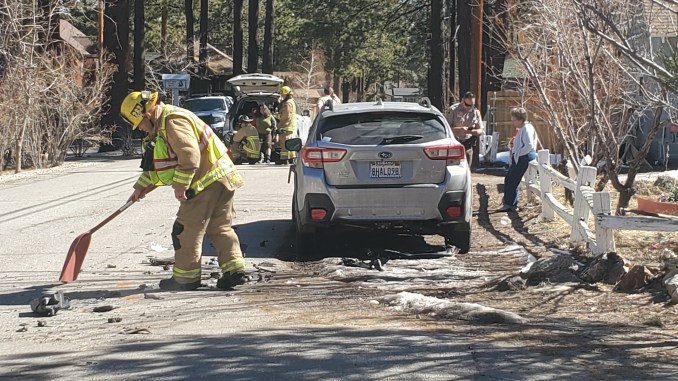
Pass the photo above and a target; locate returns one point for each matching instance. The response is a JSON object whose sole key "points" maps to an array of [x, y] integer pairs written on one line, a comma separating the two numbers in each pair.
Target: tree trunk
{"points": [[204, 17], [453, 49], [253, 44], [464, 45], [163, 27], [116, 42], [436, 80], [139, 49], [190, 30], [346, 92], [269, 26], [237, 37]]}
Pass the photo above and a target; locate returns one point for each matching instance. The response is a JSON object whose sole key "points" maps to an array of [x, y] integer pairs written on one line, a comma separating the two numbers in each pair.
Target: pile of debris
{"points": [[608, 268]]}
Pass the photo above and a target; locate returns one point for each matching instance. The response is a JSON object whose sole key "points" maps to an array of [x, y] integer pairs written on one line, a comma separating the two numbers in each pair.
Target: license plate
{"points": [[385, 170]]}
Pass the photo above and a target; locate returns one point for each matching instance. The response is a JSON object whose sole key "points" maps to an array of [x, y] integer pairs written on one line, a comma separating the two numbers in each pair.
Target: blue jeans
{"points": [[514, 176]]}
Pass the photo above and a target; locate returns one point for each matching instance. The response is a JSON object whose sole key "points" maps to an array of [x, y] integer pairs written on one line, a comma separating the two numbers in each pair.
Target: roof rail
{"points": [[379, 102], [328, 105], [426, 102]]}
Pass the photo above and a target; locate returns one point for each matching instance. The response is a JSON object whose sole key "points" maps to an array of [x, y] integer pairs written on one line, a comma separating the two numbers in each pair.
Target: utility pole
{"points": [[477, 63]]}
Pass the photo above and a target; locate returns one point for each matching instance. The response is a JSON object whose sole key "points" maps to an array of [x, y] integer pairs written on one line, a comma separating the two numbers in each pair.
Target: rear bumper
{"points": [[415, 207]]}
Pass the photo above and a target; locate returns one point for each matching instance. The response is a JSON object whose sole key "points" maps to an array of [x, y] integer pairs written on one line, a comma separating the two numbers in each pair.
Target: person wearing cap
{"points": [[188, 156], [288, 124], [246, 145]]}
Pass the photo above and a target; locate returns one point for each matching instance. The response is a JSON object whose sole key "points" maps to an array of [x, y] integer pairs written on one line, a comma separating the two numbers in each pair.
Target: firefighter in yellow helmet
{"points": [[246, 145], [189, 156], [287, 126]]}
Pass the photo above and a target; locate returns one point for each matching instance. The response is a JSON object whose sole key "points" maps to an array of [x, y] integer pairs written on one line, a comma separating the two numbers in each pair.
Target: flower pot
{"points": [[657, 207]]}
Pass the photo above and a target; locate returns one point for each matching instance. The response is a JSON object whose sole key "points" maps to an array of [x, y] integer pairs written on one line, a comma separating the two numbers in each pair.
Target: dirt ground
{"points": [[565, 319]]}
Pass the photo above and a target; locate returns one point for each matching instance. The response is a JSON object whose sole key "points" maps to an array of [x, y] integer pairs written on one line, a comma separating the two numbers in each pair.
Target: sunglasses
{"points": [[468, 105]]}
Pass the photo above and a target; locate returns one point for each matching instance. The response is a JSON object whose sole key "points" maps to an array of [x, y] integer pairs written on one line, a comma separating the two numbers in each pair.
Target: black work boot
{"points": [[172, 285], [230, 280]]}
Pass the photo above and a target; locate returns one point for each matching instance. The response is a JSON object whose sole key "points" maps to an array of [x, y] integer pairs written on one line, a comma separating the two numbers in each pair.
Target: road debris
{"points": [[135, 331], [101, 309], [671, 283], [42, 323], [160, 262], [49, 305], [608, 268], [637, 278], [111, 266], [512, 283], [115, 320], [374, 264], [153, 296], [554, 269], [22, 329], [266, 267], [157, 247]]}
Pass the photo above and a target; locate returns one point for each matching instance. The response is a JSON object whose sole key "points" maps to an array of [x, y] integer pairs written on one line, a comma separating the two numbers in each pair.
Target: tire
{"points": [[305, 242], [459, 237]]}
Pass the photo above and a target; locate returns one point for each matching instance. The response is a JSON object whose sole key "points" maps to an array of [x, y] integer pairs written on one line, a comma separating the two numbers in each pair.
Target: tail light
{"points": [[453, 153], [318, 214], [454, 211], [315, 157]]}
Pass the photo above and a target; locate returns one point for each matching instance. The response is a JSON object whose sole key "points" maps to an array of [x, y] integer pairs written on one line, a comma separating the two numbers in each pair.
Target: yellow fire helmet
{"points": [[136, 105], [286, 90]]}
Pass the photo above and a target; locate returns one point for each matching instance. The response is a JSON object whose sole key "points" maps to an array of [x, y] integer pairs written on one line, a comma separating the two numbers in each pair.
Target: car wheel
{"points": [[459, 237], [304, 240]]}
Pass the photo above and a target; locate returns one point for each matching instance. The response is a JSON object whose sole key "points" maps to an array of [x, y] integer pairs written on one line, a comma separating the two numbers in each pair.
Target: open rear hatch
{"points": [[257, 84]]}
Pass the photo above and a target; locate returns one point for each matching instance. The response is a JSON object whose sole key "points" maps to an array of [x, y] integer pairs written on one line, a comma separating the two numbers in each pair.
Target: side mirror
{"points": [[306, 113], [293, 145]]}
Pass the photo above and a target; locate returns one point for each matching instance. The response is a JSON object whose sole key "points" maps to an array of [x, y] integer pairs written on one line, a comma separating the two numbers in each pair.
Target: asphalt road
{"points": [[295, 326]]}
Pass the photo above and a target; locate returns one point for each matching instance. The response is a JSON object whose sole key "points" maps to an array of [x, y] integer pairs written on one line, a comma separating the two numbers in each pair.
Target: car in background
{"points": [[213, 110], [384, 166], [253, 90]]}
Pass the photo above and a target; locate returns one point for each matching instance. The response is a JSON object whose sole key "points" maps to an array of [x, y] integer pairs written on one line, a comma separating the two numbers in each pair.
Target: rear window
{"points": [[205, 104], [382, 128]]}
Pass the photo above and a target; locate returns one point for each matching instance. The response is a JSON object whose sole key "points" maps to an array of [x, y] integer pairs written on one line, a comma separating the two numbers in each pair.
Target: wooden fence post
{"points": [[544, 159], [586, 177], [494, 147], [604, 237]]}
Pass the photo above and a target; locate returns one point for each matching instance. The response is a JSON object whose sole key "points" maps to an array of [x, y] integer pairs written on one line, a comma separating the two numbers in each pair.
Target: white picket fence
{"points": [[539, 181]]}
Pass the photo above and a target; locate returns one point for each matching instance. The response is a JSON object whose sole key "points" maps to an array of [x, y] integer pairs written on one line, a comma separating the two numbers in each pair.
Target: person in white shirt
{"points": [[524, 150], [329, 95]]}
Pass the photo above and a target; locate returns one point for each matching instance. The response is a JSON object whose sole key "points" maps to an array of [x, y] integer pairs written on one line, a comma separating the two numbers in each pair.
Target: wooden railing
{"points": [[539, 181]]}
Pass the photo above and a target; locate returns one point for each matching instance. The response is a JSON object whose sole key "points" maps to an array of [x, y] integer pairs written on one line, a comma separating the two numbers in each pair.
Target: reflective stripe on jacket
{"points": [[288, 119], [165, 159]]}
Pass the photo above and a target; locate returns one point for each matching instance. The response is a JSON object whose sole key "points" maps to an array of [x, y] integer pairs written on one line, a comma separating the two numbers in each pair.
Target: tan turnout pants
{"points": [[211, 213]]}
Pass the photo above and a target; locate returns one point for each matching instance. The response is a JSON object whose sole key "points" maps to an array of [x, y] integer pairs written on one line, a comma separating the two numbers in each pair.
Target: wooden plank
{"points": [[582, 211], [558, 177], [558, 208], [604, 237], [544, 184], [638, 223]]}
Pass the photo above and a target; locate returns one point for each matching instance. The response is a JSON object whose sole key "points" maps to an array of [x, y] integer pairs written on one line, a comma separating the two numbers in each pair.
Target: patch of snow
{"points": [[157, 247], [445, 309]]}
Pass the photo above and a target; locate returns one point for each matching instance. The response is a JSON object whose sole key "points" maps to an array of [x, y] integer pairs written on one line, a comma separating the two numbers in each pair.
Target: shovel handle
{"points": [[112, 216]]}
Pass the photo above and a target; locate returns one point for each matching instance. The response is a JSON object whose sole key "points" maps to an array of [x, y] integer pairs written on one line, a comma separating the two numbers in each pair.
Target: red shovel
{"points": [[78, 250]]}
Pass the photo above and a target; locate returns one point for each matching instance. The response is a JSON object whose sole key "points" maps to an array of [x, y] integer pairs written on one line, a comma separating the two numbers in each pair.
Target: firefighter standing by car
{"points": [[189, 156], [287, 126], [246, 145]]}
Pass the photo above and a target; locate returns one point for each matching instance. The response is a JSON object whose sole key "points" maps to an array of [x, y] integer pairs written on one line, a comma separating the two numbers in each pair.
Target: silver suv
{"points": [[384, 166]]}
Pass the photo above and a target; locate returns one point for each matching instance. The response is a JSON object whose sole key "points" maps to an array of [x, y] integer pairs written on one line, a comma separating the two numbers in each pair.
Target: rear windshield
{"points": [[204, 104], [382, 128]]}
